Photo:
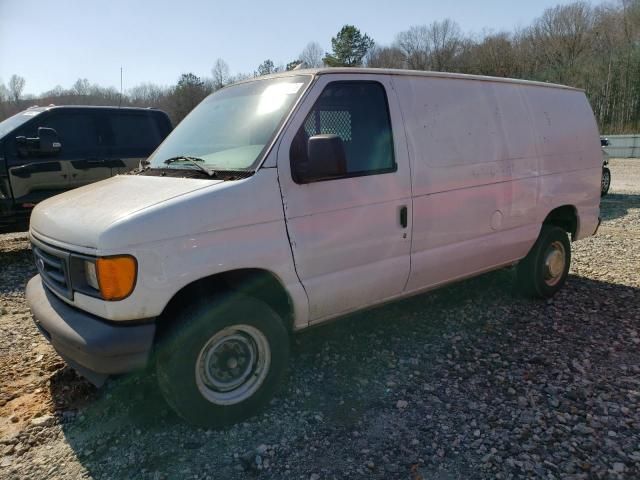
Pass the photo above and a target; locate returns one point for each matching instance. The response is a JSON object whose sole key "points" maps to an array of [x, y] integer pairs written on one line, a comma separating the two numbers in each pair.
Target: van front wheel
{"points": [[222, 362], [545, 269]]}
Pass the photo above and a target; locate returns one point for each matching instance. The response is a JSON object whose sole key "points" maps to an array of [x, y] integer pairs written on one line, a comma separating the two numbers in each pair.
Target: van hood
{"points": [[79, 216]]}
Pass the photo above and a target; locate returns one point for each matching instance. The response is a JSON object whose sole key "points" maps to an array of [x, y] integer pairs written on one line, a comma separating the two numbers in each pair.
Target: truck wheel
{"points": [[222, 361], [544, 270], [606, 181]]}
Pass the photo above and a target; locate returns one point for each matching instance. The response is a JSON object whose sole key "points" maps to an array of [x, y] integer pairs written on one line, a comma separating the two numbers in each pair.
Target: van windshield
{"points": [[232, 128], [16, 120]]}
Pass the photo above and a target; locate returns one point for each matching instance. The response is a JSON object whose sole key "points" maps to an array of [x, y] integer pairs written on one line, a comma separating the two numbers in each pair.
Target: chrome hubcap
{"points": [[554, 263], [233, 364]]}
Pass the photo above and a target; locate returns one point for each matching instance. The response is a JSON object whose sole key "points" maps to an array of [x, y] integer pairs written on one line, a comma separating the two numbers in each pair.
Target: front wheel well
{"points": [[256, 283], [565, 217]]}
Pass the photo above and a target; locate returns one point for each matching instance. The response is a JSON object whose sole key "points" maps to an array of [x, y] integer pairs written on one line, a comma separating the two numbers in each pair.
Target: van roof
{"points": [[418, 73]]}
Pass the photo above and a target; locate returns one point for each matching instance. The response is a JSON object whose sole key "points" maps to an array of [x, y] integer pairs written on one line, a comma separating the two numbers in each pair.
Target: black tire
{"points": [[606, 181], [182, 370], [539, 275]]}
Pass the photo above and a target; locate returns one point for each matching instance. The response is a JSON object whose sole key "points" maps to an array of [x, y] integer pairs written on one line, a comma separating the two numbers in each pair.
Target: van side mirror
{"points": [[46, 143], [326, 158]]}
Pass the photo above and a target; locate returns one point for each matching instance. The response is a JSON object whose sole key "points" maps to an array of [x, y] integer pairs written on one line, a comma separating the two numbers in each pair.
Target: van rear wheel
{"points": [[545, 269], [221, 362]]}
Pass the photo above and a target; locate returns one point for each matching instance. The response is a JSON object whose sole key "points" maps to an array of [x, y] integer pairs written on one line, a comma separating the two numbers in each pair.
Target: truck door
{"points": [[350, 233], [82, 145], [34, 177]]}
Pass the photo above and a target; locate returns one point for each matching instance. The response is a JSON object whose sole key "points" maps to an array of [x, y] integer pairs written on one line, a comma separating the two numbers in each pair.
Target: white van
{"points": [[288, 200]]}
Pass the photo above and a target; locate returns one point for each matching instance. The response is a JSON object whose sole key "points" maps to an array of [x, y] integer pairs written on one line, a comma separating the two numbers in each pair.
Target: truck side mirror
{"points": [[48, 141], [326, 159]]}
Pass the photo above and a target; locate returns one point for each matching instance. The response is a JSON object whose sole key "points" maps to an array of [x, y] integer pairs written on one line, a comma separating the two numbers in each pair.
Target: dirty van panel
{"points": [[570, 168], [565, 128], [474, 175], [465, 133]]}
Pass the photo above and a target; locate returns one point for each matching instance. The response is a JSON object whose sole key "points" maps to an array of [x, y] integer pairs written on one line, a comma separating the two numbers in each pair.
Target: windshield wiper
{"points": [[191, 161]]}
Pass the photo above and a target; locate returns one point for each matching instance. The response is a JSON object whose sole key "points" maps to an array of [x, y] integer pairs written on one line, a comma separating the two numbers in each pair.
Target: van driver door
{"points": [[350, 232]]}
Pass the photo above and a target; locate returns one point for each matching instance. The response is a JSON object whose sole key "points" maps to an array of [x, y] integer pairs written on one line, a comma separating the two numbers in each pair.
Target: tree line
{"points": [[596, 48]]}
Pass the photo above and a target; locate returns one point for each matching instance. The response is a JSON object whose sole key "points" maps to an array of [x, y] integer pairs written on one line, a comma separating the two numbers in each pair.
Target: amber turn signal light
{"points": [[116, 276]]}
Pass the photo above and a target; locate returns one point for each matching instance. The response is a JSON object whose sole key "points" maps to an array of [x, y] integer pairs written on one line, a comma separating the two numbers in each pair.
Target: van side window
{"points": [[358, 113]]}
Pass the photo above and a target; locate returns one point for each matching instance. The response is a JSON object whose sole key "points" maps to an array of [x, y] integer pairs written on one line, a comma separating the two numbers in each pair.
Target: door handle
{"points": [[403, 216]]}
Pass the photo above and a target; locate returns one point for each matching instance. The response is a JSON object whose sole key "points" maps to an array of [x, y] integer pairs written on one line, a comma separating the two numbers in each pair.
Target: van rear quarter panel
{"points": [[480, 152], [570, 160]]}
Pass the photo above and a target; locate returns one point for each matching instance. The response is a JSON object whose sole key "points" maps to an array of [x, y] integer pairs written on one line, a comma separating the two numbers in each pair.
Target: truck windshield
{"points": [[232, 128], [15, 121]]}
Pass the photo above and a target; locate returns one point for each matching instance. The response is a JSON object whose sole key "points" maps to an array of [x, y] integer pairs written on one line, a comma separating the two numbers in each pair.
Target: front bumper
{"points": [[92, 346]]}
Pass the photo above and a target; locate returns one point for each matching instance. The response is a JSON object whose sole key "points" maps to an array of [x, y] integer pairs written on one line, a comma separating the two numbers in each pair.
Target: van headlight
{"points": [[90, 275], [110, 278]]}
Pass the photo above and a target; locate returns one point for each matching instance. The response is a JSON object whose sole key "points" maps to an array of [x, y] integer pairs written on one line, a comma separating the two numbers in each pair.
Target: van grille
{"points": [[53, 266]]}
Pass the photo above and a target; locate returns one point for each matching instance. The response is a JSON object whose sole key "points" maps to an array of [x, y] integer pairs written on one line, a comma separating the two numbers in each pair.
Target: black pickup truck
{"points": [[47, 150]]}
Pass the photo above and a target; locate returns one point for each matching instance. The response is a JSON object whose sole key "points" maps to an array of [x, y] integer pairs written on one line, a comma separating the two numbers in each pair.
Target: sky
{"points": [[53, 43]]}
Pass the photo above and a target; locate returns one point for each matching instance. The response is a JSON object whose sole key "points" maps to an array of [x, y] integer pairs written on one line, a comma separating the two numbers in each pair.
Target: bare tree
{"points": [[562, 35], [147, 95], [385, 57], [312, 55], [240, 77], [56, 91], [16, 86], [416, 47], [81, 87], [4, 104], [220, 73], [493, 55], [432, 47], [4, 93], [445, 38]]}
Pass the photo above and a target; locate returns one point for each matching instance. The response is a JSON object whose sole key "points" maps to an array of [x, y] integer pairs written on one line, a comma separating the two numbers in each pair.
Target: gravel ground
{"points": [[469, 382]]}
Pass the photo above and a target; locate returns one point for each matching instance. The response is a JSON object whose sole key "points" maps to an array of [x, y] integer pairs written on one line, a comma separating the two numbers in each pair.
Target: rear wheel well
{"points": [[564, 217], [255, 283]]}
